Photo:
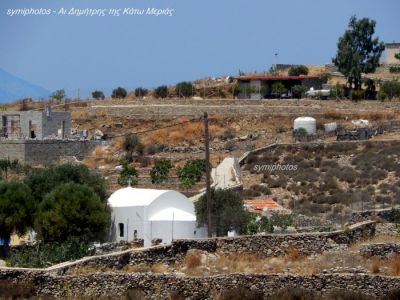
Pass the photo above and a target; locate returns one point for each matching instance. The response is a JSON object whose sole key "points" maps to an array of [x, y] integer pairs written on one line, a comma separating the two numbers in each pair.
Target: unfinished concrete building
{"points": [[391, 50], [37, 125]]}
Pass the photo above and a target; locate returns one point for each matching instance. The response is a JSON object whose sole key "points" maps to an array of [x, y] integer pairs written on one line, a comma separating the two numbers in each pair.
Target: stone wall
{"points": [[170, 108], [46, 151], [162, 286], [263, 245], [380, 249]]}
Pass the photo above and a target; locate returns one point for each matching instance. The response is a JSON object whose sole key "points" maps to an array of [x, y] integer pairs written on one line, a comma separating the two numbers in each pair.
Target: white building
{"points": [[152, 214]]}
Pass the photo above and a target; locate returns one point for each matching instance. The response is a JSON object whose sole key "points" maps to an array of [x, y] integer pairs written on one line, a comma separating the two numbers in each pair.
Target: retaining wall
{"points": [[162, 286]]}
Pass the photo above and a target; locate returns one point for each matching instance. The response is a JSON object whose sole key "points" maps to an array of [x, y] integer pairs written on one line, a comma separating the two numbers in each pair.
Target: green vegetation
{"points": [[128, 174], [298, 90], [6, 165], [390, 90], [191, 172], [298, 70], [227, 211], [161, 92], [17, 208], [278, 88], [357, 95], [43, 255], [160, 172], [131, 145], [43, 181], [141, 92], [184, 89], [98, 95], [72, 210], [119, 93], [358, 52], [59, 94]]}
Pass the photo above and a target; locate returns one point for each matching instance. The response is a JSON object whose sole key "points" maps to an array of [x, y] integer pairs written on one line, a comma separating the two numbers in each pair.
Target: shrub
{"points": [[160, 172], [298, 90], [394, 69], [357, 95], [128, 174], [184, 89], [43, 255], [375, 265], [193, 259], [98, 95], [161, 92], [298, 70], [391, 88], [191, 172], [141, 92], [119, 93]]}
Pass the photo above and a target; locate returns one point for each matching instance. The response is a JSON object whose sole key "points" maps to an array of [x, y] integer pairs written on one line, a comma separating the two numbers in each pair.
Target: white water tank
{"points": [[308, 123]]}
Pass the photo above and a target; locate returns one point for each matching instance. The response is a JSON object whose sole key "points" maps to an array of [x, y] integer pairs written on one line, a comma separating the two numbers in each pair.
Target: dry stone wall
{"points": [[162, 286]]}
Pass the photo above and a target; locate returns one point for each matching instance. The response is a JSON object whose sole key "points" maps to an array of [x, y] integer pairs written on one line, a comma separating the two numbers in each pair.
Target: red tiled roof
{"points": [[275, 77], [262, 204]]}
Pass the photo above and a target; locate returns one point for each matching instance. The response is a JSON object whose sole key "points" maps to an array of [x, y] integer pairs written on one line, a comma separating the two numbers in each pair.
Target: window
{"points": [[135, 234], [121, 229]]}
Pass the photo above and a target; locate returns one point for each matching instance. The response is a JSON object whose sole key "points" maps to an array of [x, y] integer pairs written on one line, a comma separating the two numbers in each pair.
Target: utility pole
{"points": [[208, 179]]}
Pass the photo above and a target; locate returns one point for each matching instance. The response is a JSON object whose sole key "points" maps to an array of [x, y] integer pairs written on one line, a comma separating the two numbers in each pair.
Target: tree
{"points": [[298, 90], [59, 94], [184, 89], [132, 144], [191, 172], [17, 207], [43, 181], [141, 92], [72, 210], [161, 92], [128, 174], [7, 164], [227, 211], [397, 56], [278, 88], [160, 172], [119, 93], [358, 52], [298, 70], [98, 95]]}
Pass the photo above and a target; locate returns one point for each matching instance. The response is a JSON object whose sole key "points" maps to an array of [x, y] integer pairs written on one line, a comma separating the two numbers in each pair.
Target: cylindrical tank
{"points": [[330, 127], [308, 123]]}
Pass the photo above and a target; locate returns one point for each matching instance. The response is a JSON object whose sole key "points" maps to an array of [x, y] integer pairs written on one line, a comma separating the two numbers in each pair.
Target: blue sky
{"points": [[202, 38]]}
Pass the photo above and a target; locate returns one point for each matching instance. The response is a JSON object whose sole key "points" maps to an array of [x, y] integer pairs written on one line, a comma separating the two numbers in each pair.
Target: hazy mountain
{"points": [[13, 88]]}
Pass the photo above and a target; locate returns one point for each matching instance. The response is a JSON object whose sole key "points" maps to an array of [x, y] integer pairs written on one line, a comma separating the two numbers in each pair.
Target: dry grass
{"points": [[191, 134], [395, 264], [375, 265], [293, 253], [193, 259]]}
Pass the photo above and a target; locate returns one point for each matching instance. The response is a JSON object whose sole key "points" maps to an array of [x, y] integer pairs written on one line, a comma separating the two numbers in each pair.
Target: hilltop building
{"points": [[391, 50], [260, 86], [38, 125], [150, 214]]}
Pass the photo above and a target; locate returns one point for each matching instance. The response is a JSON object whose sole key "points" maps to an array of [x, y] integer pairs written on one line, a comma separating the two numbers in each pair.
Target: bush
{"points": [[184, 89], [98, 95], [192, 172], [128, 174], [161, 92], [357, 95], [298, 90], [42, 255], [119, 93], [391, 88], [298, 70], [394, 69], [160, 172], [141, 92]]}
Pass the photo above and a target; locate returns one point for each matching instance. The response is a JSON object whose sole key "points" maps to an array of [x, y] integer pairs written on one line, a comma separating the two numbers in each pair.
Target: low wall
{"points": [[162, 286], [263, 245], [380, 249]]}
